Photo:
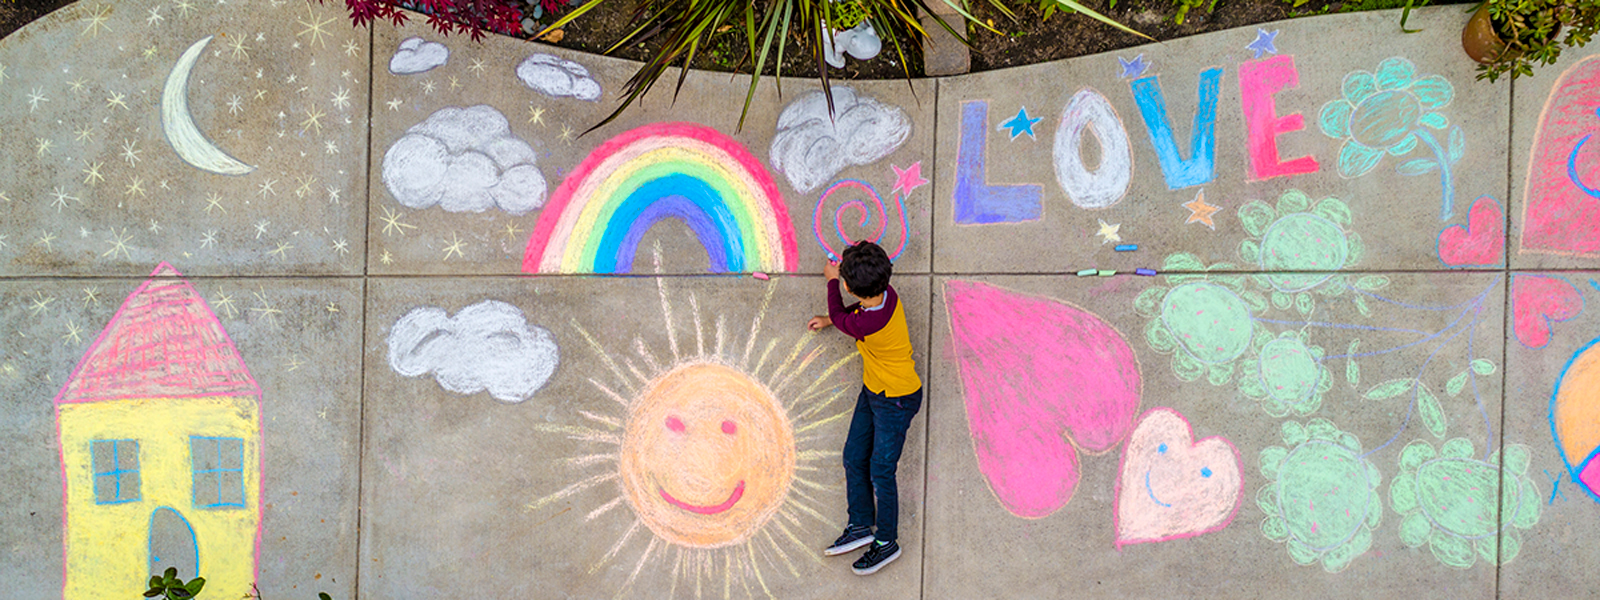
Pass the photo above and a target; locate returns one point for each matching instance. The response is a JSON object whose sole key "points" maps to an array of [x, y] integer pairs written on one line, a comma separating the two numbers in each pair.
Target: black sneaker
{"points": [[876, 557], [854, 537]]}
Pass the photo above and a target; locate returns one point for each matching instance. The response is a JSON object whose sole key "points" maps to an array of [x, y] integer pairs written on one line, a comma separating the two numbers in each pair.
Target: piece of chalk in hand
{"points": [[1127, 247], [1145, 272]]}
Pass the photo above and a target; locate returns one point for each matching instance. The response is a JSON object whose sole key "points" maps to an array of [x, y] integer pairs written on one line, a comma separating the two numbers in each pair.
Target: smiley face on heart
{"points": [[1479, 243], [1171, 486]]}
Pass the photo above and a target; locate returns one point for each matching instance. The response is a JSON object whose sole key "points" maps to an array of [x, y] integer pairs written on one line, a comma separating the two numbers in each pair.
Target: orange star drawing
{"points": [[1200, 212]]}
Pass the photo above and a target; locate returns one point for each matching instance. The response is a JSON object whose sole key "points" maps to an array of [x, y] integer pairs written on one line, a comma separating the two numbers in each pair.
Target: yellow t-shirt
{"points": [[885, 343]]}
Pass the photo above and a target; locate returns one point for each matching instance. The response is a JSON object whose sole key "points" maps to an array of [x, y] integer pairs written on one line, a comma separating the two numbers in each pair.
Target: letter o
{"points": [[1107, 184]]}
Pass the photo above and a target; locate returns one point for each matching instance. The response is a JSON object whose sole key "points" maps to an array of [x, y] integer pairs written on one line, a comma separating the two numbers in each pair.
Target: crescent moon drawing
{"points": [[186, 139]]}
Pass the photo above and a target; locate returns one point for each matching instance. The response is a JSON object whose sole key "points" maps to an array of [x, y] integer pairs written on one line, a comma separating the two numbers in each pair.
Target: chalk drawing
{"points": [[1287, 374], [811, 145], [1042, 379], [558, 78], [1265, 43], [1460, 507], [1133, 68], [1259, 81], [487, 346], [1203, 324], [1200, 168], [178, 125], [1298, 235], [1200, 211], [602, 210], [975, 201], [464, 160], [1106, 184], [864, 215], [1322, 499], [708, 445], [1109, 232], [1020, 124], [1538, 302], [1387, 112], [1479, 243], [416, 55], [1561, 213], [908, 179], [1171, 486], [861, 42], [162, 373], [1575, 418]]}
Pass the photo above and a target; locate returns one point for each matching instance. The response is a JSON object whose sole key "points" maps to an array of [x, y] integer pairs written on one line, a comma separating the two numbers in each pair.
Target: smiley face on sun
{"points": [[707, 456]]}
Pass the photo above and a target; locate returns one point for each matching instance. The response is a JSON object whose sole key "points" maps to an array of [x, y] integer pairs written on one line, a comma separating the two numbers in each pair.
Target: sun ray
{"points": [[572, 489], [648, 550], [755, 325], [602, 509], [813, 485], [838, 364], [605, 358], [666, 314], [609, 392], [814, 454], [727, 575], [699, 573], [799, 345], [649, 358], [837, 393], [578, 462], [677, 571], [721, 335], [582, 434], [801, 368], [755, 567], [635, 369], [699, 332], [602, 419], [771, 344], [617, 547], [773, 545], [807, 509], [796, 540], [819, 423]]}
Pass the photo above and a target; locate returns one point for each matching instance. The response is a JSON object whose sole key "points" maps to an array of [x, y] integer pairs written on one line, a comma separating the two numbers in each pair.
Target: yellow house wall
{"points": [[107, 545]]}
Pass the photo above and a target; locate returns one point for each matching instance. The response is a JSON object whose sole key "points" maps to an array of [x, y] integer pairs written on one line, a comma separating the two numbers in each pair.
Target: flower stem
{"points": [[1446, 182]]}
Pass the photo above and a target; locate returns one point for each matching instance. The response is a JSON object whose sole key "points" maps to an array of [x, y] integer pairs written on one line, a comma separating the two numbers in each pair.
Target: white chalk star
{"points": [[333, 195], [97, 21], [266, 188], [42, 146], [313, 119], [536, 114], [92, 174], [453, 83], [116, 100], [46, 238], [392, 224], [137, 187], [566, 134], [155, 16], [386, 258], [184, 8], [454, 247], [341, 99], [331, 147], [477, 67], [84, 135], [239, 50], [119, 244], [74, 332], [394, 104], [155, 227], [214, 201], [265, 310], [225, 304], [282, 251], [151, 51], [130, 152], [350, 48], [261, 227], [235, 104], [208, 239], [91, 295], [341, 246], [427, 86], [305, 186], [39, 303], [35, 98], [314, 27], [60, 198]]}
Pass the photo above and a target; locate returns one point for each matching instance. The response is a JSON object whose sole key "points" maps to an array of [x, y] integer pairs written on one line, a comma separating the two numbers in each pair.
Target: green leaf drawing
{"points": [[1417, 167], [1282, 300], [1333, 209], [1352, 369], [1255, 217], [1455, 385], [1361, 305], [1303, 303], [1457, 144], [1372, 282], [1483, 366], [1390, 389], [1432, 414], [1250, 251]]}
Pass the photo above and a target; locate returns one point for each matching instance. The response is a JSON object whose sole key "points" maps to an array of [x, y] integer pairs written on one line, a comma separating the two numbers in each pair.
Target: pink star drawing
{"points": [[907, 179]]}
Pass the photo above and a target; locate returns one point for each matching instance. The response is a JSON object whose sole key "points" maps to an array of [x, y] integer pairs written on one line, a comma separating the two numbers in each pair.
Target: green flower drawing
{"points": [[1390, 111], [1448, 501], [1321, 499]]}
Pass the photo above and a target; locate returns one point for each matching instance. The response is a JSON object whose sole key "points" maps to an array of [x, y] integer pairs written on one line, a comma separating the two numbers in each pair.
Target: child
{"points": [[891, 394]]}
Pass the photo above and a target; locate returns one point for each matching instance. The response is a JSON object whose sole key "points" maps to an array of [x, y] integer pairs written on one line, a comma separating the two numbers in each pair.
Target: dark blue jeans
{"points": [[871, 457]]}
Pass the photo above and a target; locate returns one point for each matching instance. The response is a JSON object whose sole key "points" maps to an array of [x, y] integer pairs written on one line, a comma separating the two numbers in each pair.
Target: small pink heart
{"points": [[1537, 301], [1171, 486], [1481, 242]]}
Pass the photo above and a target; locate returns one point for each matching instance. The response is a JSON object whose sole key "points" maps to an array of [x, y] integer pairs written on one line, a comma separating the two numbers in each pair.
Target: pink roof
{"points": [[163, 342]]}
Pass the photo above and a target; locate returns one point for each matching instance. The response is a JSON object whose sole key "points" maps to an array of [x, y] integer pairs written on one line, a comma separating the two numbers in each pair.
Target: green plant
{"points": [[1535, 31], [169, 586], [1184, 6], [686, 28]]}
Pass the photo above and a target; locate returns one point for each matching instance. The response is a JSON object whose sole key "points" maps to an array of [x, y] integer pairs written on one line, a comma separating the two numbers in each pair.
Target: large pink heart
{"points": [[1042, 379], [1539, 300], [1171, 486], [1481, 242]]}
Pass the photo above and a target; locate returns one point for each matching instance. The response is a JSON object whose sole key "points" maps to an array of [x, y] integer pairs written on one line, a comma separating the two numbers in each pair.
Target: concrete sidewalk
{"points": [[358, 311]]}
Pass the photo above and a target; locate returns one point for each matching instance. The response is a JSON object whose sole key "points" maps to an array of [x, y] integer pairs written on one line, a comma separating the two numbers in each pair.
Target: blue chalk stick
{"points": [[1145, 272], [1127, 247]]}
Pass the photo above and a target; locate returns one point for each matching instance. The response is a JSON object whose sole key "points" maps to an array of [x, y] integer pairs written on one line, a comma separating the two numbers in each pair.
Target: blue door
{"points": [[172, 544]]}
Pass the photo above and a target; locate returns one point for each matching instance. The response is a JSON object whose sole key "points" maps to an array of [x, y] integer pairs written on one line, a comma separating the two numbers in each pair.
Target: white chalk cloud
{"points": [[416, 55], [558, 78], [486, 346], [810, 148], [464, 160]]}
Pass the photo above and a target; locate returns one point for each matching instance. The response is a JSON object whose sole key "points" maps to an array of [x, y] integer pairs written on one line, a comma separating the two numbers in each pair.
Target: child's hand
{"points": [[831, 270], [819, 323]]}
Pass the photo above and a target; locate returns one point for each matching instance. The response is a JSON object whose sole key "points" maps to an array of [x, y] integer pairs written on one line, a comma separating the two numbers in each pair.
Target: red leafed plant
{"points": [[446, 16]]}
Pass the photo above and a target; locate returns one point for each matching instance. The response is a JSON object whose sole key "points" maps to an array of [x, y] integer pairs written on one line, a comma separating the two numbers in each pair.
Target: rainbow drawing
{"points": [[596, 218]]}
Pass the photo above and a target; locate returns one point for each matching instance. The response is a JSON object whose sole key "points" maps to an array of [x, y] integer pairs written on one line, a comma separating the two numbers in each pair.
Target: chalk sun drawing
{"points": [[487, 346], [416, 55], [1042, 380], [1089, 112], [1388, 111], [713, 448], [864, 214], [178, 125], [1171, 486], [1448, 501], [1575, 417], [603, 209], [464, 160], [1561, 213], [1322, 499], [812, 144]]}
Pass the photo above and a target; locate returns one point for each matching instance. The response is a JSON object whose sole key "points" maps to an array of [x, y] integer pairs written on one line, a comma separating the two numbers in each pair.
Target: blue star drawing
{"points": [[1020, 124], [1133, 68], [1265, 42]]}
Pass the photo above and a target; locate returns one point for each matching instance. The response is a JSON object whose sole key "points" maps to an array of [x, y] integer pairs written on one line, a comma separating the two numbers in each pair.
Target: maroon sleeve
{"points": [[854, 323]]}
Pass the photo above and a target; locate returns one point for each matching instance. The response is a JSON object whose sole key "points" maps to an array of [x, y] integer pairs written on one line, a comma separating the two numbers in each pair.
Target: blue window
{"points": [[218, 471], [116, 470]]}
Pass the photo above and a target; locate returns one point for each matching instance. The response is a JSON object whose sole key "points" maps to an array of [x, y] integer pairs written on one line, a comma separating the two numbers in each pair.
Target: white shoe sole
{"points": [[879, 566], [837, 550]]}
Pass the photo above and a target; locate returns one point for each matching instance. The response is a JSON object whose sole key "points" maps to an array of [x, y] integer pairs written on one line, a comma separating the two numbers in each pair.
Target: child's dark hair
{"points": [[865, 269]]}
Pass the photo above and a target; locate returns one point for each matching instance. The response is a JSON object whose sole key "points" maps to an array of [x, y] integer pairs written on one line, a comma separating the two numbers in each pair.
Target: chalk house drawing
{"points": [[1171, 486], [1321, 499], [1089, 112], [1389, 111], [712, 445], [160, 433], [1561, 201], [178, 125], [854, 189], [810, 146], [684, 171], [1575, 418], [416, 55], [1042, 379], [464, 160], [486, 346], [557, 77], [1448, 501]]}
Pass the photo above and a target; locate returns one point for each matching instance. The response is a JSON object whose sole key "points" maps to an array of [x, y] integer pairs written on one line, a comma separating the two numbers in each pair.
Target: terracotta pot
{"points": [[1479, 39]]}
